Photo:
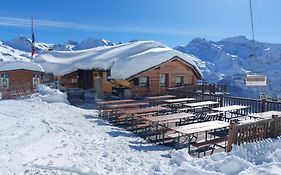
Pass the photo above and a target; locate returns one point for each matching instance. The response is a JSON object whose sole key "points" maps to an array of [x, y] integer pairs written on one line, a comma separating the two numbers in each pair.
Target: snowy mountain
{"points": [[19, 48], [24, 44], [91, 43], [8, 53], [229, 60]]}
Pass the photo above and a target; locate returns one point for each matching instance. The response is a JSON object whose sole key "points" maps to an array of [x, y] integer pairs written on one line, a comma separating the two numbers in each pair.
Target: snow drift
{"points": [[47, 94]]}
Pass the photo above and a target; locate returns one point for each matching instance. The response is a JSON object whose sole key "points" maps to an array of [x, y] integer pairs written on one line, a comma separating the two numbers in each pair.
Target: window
{"points": [[163, 80], [5, 80], [179, 81], [136, 81], [36, 80], [144, 81]]}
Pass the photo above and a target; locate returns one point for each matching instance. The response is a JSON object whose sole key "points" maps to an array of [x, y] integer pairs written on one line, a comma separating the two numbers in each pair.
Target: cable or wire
{"points": [[253, 32], [252, 21]]}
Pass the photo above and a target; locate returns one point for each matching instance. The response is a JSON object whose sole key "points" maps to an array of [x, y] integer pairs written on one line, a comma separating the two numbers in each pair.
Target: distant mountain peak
{"points": [[92, 42], [71, 42], [229, 60], [236, 39], [21, 43]]}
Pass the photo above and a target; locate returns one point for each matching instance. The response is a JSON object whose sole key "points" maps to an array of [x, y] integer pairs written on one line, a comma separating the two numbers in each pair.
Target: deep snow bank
{"points": [[50, 95]]}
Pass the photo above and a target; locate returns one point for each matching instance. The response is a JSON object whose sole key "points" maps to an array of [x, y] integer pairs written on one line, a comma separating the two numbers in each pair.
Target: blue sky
{"points": [[173, 22]]}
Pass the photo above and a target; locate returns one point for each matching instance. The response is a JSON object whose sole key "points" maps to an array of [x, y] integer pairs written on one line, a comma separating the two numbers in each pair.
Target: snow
{"points": [[38, 137], [92, 43], [8, 53], [23, 43], [126, 59], [17, 65], [47, 94], [228, 61]]}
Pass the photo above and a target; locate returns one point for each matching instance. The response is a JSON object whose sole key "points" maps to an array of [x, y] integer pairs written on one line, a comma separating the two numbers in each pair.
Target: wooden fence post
{"points": [[221, 100], [232, 135], [263, 101], [275, 125]]}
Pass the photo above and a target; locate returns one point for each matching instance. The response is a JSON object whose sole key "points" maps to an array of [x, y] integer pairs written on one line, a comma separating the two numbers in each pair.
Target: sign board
{"points": [[255, 80]]}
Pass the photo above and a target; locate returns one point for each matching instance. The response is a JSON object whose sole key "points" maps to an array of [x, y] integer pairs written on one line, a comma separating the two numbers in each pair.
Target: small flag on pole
{"points": [[32, 39]]}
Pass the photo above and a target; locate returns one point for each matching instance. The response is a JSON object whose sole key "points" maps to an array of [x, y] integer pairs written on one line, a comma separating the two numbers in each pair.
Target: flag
{"points": [[32, 40], [33, 45]]}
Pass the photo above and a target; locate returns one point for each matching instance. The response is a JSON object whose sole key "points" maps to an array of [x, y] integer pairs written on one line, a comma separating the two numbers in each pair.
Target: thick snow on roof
{"points": [[126, 59], [17, 65]]}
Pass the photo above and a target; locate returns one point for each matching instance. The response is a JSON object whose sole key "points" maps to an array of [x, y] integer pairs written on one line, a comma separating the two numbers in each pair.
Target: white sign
{"points": [[256, 80]]}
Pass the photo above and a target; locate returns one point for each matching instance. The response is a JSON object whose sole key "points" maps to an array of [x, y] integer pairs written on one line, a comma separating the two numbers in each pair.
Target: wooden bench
{"points": [[220, 133], [183, 109], [212, 116], [151, 133], [165, 140], [174, 135], [208, 145]]}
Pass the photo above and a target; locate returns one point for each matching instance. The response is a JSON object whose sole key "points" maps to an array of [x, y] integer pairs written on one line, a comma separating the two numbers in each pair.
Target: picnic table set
{"points": [[200, 126]]}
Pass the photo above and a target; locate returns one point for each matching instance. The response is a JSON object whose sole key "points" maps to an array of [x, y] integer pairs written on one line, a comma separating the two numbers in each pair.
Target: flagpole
{"points": [[32, 39]]}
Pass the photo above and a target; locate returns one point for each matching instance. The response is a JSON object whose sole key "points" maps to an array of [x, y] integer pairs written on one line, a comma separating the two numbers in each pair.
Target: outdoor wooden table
{"points": [[156, 99], [233, 109], [167, 118], [201, 104], [126, 105], [146, 110], [171, 102], [188, 130], [161, 97], [131, 113], [102, 104], [114, 102], [163, 121], [117, 107], [265, 115]]}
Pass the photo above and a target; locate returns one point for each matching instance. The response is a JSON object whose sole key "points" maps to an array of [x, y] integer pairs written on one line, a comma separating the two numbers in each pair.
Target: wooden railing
{"points": [[254, 131], [205, 88], [256, 105]]}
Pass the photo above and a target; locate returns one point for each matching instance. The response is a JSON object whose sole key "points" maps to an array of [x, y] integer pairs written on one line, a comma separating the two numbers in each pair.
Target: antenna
{"points": [[252, 20], [252, 25]]}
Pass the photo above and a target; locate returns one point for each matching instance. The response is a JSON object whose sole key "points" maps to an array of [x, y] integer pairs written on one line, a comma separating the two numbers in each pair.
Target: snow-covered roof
{"points": [[124, 60], [20, 65]]}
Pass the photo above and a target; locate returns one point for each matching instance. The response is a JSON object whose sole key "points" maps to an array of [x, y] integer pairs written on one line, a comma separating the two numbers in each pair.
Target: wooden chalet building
{"points": [[86, 79], [19, 75], [157, 79], [142, 68]]}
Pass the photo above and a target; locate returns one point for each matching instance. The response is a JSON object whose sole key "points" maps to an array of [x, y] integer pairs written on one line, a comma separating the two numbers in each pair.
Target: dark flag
{"points": [[32, 40]]}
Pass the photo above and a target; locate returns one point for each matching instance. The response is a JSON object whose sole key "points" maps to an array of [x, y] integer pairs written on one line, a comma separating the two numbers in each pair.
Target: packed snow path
{"points": [[55, 138]]}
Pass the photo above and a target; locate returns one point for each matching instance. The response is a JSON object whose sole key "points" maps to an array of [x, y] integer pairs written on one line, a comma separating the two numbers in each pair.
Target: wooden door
{"points": [[86, 79]]}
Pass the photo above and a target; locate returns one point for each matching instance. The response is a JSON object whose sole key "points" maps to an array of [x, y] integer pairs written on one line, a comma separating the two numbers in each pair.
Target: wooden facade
{"points": [[86, 79], [158, 79], [19, 79]]}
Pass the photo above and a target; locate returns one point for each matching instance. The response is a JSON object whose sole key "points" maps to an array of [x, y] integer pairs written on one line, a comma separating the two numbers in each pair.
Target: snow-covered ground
{"points": [[38, 137]]}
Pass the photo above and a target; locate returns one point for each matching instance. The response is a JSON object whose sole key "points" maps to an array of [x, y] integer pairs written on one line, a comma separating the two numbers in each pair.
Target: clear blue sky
{"points": [[173, 22]]}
